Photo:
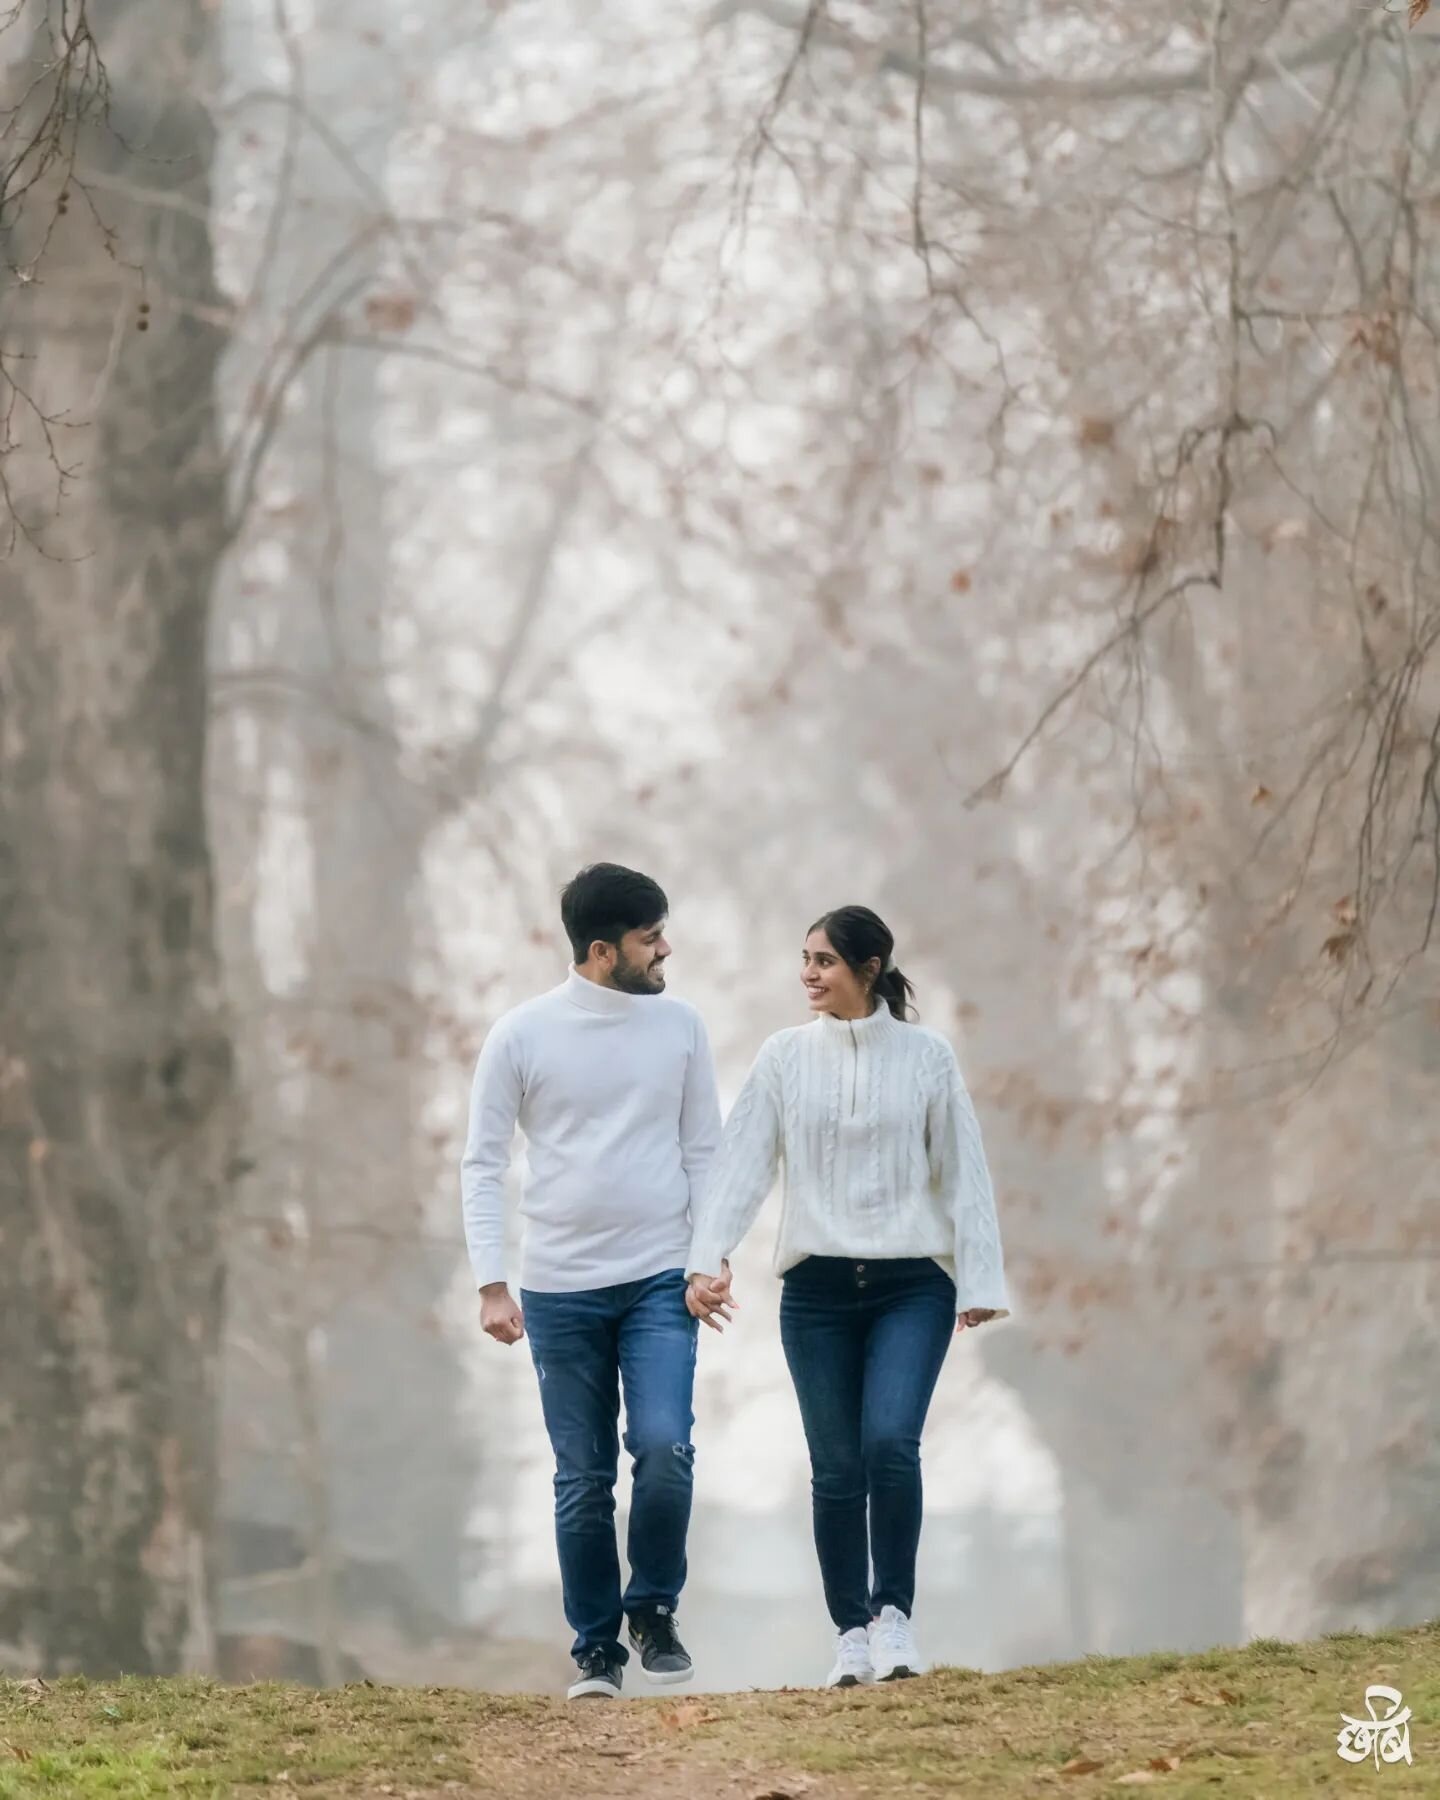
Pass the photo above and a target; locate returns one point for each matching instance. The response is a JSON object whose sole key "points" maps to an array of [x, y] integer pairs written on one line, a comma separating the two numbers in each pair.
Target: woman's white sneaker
{"points": [[893, 1654], [852, 1659]]}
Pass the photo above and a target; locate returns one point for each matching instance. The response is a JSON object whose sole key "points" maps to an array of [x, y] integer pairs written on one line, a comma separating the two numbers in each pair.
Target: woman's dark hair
{"points": [[858, 935], [605, 901]]}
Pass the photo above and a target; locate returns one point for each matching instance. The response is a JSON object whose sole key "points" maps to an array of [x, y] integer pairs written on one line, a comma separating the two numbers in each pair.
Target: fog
{"points": [[977, 463]]}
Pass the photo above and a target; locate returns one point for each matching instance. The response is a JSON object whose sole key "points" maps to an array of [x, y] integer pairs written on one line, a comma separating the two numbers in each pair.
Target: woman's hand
{"points": [[975, 1315], [708, 1298]]}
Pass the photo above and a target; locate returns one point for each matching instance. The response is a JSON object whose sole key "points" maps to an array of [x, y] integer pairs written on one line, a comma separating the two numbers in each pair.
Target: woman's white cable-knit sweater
{"points": [[882, 1154]]}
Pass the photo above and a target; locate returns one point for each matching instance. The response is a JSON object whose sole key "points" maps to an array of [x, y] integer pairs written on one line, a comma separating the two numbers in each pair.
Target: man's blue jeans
{"points": [[584, 1346], [865, 1342]]}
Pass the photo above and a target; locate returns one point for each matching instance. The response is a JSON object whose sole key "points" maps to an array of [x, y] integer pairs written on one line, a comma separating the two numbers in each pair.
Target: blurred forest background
{"points": [[980, 461]]}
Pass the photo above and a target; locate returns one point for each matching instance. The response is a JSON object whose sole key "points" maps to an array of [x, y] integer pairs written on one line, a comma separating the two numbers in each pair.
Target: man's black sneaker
{"points": [[599, 1674], [662, 1656]]}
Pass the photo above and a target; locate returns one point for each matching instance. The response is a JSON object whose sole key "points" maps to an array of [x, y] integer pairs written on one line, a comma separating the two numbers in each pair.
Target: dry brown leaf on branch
{"points": [[390, 312]]}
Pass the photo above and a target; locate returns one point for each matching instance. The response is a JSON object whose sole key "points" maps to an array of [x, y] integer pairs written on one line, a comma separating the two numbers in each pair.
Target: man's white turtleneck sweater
{"points": [[616, 1096], [882, 1154]]}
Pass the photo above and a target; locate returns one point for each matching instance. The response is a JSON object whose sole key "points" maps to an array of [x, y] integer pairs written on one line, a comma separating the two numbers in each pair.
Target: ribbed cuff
{"points": [[487, 1269], [706, 1256]]}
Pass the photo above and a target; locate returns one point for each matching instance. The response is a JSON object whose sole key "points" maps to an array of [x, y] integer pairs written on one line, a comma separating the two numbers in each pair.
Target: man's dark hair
{"points": [[605, 901]]}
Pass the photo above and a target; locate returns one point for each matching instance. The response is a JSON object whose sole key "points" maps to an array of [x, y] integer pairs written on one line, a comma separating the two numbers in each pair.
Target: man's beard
{"points": [[637, 978]]}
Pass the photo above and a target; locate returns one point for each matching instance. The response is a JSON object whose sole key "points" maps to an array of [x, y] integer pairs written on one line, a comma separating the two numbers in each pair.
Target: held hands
{"points": [[709, 1300], [975, 1315], [500, 1317]]}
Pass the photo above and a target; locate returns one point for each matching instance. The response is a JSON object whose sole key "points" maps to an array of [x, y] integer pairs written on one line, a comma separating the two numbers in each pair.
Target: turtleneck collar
{"points": [[875, 1025], [595, 998]]}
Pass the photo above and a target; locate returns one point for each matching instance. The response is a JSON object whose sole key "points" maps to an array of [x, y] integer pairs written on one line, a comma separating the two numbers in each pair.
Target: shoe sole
{"points": [[593, 1690], [901, 1672]]}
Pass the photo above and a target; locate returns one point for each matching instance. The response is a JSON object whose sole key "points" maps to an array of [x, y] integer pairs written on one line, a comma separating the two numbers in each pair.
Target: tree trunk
{"points": [[353, 1478], [116, 1100]]}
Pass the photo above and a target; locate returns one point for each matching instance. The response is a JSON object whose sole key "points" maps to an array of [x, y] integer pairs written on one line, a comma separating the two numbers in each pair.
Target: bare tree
{"points": [[117, 1092]]}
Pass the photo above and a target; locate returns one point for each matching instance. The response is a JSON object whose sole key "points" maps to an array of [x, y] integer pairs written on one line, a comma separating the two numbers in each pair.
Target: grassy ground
{"points": [[1260, 1721]]}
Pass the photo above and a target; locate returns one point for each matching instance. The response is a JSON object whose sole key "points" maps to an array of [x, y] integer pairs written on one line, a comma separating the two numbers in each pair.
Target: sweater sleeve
{"points": [[743, 1171], [495, 1098], [961, 1176], [699, 1113]]}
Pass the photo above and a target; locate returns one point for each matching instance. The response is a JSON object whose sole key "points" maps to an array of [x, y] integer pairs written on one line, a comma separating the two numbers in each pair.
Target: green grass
{"points": [[1260, 1721]]}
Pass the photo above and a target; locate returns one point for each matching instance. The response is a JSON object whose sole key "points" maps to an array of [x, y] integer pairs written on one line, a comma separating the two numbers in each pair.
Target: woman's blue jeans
{"points": [[865, 1342]]}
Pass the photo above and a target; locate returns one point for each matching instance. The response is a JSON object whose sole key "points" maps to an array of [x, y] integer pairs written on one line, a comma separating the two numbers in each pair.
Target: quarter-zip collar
{"points": [[876, 1025], [597, 999], [851, 1036]]}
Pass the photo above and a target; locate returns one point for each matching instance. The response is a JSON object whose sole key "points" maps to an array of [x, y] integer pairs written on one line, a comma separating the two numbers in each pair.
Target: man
{"points": [[613, 1086]]}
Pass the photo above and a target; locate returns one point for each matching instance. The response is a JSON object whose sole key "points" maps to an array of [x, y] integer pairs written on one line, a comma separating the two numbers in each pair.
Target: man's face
{"points": [[640, 961]]}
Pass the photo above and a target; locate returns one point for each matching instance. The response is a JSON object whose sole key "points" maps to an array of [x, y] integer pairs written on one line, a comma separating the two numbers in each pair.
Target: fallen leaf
{"points": [[1344, 910], [34, 1687], [1192, 1700], [1260, 796], [1164, 1764], [18, 1751], [688, 1712], [1337, 948], [1080, 1765], [1230, 1699]]}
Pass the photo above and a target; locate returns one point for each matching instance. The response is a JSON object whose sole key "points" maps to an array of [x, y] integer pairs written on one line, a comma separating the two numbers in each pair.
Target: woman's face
{"points": [[831, 985]]}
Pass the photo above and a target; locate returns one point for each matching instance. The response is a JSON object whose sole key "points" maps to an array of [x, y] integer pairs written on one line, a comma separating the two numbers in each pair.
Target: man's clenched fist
{"points": [[500, 1317]]}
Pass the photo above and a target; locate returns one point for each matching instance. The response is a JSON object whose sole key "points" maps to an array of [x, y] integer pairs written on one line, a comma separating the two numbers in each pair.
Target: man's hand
{"points": [[974, 1315], [500, 1317], [709, 1300]]}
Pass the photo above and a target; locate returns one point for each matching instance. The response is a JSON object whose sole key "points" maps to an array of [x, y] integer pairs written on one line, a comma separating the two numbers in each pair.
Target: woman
{"points": [[888, 1244]]}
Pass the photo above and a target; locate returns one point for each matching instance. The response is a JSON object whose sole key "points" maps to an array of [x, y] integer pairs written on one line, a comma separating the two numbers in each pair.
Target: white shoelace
{"points": [[892, 1634], [852, 1653]]}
